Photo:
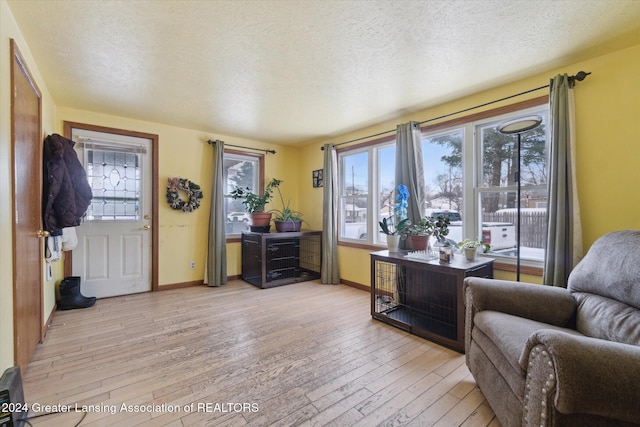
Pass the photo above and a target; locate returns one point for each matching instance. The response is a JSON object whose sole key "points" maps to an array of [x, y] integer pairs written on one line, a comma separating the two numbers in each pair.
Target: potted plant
{"points": [[470, 248], [255, 203], [286, 219], [393, 231], [441, 229], [420, 232], [396, 231]]}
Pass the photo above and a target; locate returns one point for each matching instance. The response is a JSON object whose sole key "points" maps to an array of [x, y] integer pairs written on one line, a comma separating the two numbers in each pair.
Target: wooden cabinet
{"points": [[423, 297], [275, 259]]}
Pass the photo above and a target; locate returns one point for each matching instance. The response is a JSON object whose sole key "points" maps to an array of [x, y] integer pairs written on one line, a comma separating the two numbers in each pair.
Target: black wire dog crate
{"points": [[275, 259], [423, 297]]}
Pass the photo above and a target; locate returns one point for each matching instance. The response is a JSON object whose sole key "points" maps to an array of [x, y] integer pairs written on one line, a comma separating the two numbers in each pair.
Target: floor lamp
{"points": [[518, 126]]}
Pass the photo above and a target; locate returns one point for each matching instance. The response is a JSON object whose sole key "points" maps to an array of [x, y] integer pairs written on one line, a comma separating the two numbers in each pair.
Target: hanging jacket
{"points": [[66, 191]]}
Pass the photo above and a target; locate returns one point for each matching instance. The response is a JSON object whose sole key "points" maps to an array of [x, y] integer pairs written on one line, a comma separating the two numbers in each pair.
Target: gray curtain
{"points": [[409, 170], [216, 273], [329, 272], [564, 232]]}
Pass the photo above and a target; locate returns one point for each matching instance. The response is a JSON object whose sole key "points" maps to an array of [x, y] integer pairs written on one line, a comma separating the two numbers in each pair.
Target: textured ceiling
{"points": [[295, 71]]}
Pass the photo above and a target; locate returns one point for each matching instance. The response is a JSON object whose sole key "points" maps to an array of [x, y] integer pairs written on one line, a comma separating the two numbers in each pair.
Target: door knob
{"points": [[147, 227], [42, 233]]}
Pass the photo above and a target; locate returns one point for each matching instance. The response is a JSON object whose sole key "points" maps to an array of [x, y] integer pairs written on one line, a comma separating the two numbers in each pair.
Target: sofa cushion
{"points": [[608, 319], [508, 334], [505, 403], [611, 268], [512, 377]]}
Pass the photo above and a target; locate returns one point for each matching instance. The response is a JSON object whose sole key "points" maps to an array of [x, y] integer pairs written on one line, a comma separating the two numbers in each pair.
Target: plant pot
{"points": [[260, 229], [393, 242], [260, 219], [287, 226], [420, 242], [470, 253]]}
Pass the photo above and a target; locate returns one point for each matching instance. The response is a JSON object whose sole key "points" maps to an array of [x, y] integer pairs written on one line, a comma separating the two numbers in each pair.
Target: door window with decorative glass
{"points": [[115, 176]]}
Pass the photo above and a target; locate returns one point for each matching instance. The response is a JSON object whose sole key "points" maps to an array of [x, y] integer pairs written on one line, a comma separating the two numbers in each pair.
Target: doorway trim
{"points": [[68, 126]]}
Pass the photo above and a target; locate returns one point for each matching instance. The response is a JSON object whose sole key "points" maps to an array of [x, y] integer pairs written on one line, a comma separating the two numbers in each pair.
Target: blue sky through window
{"points": [[356, 171]]}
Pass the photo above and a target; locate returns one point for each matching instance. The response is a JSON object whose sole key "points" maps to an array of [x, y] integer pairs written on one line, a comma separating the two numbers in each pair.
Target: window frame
{"points": [[371, 229], [236, 237], [481, 189], [471, 157]]}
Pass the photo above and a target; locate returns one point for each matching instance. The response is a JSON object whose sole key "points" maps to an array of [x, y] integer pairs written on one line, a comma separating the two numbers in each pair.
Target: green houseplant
{"points": [[255, 203], [394, 232], [420, 231], [470, 248], [441, 228], [388, 227], [286, 219]]}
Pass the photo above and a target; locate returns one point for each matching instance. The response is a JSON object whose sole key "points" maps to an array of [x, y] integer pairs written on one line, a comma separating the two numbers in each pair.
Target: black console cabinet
{"points": [[274, 259], [423, 297]]}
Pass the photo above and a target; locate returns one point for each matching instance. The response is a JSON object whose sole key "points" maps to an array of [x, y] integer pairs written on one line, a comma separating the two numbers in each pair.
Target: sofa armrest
{"points": [[578, 375], [547, 304]]}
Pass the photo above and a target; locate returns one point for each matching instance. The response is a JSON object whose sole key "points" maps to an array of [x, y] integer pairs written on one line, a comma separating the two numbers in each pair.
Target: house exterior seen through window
{"points": [[470, 175], [240, 170]]}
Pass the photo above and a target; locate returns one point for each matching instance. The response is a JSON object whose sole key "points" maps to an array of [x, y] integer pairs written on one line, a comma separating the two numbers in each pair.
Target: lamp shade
{"points": [[519, 125]]}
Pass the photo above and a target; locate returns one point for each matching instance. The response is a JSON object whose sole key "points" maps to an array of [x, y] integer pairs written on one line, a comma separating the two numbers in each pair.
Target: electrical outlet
{"points": [[192, 265]]}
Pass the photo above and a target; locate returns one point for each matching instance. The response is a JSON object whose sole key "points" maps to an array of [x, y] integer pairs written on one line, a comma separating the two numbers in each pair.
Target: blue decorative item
{"points": [[401, 201]]}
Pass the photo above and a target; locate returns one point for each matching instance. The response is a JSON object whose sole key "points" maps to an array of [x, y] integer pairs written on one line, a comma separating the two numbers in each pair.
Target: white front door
{"points": [[114, 240]]}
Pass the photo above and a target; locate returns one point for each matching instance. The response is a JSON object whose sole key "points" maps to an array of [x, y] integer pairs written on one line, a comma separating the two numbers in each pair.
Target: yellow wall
{"points": [[607, 128], [9, 30], [185, 153], [607, 108]]}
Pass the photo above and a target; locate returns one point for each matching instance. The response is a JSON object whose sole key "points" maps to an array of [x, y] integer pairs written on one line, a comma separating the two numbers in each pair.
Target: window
{"points": [[442, 166], [498, 184], [240, 170], [115, 176], [367, 182], [470, 176]]}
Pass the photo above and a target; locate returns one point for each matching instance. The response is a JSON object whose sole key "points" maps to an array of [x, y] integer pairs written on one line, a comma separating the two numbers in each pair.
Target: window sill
{"points": [[361, 246], [524, 269], [499, 264]]}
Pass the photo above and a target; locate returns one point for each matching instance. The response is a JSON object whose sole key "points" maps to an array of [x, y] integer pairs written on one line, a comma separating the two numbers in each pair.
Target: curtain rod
{"points": [[210, 142], [579, 77]]}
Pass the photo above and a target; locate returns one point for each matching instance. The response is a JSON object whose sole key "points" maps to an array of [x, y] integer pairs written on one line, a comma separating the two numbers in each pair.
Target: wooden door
{"points": [[27, 215]]}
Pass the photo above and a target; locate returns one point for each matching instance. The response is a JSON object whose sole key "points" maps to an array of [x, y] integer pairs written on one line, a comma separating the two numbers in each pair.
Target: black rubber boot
{"points": [[70, 296]]}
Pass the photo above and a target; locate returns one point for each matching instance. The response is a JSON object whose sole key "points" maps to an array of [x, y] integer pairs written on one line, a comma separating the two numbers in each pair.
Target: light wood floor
{"points": [[304, 354]]}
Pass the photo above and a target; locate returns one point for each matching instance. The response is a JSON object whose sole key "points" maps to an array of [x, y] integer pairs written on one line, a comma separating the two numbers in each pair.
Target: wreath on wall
{"points": [[192, 190]]}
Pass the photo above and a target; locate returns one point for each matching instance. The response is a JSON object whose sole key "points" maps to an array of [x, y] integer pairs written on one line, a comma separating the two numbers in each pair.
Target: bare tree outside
{"points": [[500, 158], [444, 187]]}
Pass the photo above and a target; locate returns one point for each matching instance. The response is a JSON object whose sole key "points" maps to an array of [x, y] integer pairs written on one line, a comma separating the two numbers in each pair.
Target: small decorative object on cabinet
{"points": [[274, 259], [423, 297]]}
